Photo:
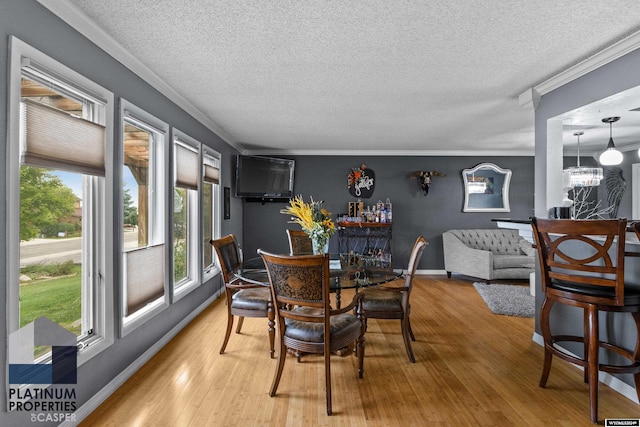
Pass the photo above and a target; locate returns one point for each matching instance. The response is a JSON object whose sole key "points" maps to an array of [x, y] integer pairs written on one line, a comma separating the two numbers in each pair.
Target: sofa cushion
{"points": [[512, 261], [498, 241]]}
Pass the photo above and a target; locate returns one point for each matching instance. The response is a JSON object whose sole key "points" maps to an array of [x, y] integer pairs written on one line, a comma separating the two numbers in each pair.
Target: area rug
{"points": [[509, 300]]}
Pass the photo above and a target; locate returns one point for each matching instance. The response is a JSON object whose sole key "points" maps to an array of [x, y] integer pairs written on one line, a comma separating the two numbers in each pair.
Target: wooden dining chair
{"points": [[299, 242], [582, 265], [306, 321], [243, 299], [393, 302]]}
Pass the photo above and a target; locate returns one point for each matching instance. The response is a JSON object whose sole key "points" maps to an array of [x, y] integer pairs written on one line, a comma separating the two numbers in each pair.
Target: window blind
{"points": [[56, 139], [144, 276], [211, 170], [187, 167]]}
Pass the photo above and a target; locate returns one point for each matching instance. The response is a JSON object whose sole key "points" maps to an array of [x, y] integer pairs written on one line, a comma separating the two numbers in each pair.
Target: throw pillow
{"points": [[526, 247]]}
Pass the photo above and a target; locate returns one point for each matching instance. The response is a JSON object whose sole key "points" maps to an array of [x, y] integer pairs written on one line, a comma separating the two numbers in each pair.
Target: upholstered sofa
{"points": [[488, 254]]}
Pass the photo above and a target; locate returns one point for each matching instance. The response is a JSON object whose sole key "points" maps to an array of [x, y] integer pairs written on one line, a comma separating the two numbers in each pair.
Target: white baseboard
{"points": [[432, 272], [620, 386], [98, 398]]}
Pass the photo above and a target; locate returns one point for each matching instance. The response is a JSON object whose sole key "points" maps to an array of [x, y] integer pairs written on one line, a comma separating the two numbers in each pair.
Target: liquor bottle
{"points": [[389, 211]]}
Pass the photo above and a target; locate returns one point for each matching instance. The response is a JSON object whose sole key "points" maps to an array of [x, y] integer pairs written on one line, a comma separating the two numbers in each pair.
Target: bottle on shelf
{"points": [[389, 211]]}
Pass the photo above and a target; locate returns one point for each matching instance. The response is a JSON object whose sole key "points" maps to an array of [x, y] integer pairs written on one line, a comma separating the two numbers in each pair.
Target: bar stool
{"points": [[582, 265]]}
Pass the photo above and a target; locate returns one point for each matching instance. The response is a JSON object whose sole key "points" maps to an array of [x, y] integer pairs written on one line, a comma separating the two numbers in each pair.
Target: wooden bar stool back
{"points": [[582, 265]]}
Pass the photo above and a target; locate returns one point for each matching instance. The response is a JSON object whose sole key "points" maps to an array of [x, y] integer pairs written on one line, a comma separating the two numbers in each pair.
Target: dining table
{"points": [[343, 273]]}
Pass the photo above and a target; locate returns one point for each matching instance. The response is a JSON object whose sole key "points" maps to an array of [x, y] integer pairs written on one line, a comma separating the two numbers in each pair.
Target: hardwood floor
{"points": [[474, 368]]}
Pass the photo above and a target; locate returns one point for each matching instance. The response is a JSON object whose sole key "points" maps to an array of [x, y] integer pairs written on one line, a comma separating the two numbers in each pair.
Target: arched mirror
{"points": [[486, 188]]}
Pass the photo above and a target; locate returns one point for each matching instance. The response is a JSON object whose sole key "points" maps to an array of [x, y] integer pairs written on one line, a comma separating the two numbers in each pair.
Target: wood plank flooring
{"points": [[474, 368]]}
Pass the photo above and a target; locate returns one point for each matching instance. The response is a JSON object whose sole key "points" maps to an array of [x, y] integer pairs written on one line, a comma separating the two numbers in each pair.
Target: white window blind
{"points": [[187, 167], [144, 276], [56, 139], [211, 170]]}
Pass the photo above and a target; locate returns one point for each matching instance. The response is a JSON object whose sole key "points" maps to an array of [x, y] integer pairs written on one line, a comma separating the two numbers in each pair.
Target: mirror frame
{"points": [[469, 205]]}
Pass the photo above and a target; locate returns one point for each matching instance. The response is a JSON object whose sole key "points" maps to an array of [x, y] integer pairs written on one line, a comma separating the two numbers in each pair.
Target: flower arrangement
{"points": [[313, 218], [355, 174]]}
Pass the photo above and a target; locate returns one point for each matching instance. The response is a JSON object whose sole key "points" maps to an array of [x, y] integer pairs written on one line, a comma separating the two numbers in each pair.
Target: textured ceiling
{"points": [[375, 76]]}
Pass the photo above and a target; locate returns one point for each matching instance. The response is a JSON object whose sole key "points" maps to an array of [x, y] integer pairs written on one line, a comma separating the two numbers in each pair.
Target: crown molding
{"points": [[389, 153], [603, 57], [81, 23]]}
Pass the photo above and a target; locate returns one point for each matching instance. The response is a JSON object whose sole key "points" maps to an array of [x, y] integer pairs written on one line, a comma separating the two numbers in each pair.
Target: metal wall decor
{"points": [[616, 186], [425, 178], [361, 182]]}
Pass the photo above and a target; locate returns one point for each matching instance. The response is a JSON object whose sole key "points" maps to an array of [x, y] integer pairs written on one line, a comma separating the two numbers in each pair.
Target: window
{"points": [[143, 224], [186, 194], [58, 183], [210, 209]]}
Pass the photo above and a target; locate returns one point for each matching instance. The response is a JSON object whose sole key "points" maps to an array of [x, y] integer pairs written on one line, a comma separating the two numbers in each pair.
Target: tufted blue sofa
{"points": [[488, 254]]}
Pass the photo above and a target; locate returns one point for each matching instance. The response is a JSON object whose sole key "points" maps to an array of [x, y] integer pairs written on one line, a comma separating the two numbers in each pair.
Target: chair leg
{"points": [[587, 335], [240, 322], [272, 329], [360, 354], [228, 333], [282, 356], [594, 344], [327, 378], [413, 337], [545, 310], [636, 352], [407, 339]]}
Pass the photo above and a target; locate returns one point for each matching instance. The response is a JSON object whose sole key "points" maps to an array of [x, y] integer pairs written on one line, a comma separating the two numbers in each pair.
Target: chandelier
{"points": [[583, 176]]}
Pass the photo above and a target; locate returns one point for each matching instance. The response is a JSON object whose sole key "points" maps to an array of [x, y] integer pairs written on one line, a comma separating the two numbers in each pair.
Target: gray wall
{"points": [[36, 26], [414, 214], [607, 80]]}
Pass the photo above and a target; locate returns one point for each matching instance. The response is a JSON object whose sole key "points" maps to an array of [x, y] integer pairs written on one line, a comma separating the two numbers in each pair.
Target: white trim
{"points": [[81, 23], [194, 248], [103, 316], [602, 57], [98, 398], [140, 118], [430, 272], [528, 152], [617, 385], [635, 197]]}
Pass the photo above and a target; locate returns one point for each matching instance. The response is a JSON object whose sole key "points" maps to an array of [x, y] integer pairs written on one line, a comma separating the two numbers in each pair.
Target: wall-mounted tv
{"points": [[264, 178]]}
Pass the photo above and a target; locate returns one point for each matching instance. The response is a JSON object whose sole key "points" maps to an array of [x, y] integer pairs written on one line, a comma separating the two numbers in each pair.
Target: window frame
{"points": [[213, 269], [23, 55], [158, 228], [194, 220]]}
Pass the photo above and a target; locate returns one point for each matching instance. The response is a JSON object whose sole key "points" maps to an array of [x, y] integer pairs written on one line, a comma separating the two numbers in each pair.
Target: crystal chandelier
{"points": [[583, 176]]}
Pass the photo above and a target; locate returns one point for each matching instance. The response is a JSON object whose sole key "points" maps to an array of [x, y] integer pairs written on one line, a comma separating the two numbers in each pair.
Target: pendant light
{"points": [[611, 156], [583, 176]]}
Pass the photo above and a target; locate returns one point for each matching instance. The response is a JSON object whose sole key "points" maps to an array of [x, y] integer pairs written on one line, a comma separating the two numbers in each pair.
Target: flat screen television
{"points": [[264, 178]]}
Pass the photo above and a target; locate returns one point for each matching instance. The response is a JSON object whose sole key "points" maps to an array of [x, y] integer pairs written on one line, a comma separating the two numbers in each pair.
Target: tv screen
{"points": [[264, 177]]}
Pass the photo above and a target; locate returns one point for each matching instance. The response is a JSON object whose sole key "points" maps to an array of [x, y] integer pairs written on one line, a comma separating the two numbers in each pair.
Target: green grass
{"points": [[58, 299]]}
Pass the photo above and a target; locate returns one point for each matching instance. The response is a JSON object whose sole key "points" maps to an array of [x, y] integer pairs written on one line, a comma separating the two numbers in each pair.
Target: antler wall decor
{"points": [[425, 178]]}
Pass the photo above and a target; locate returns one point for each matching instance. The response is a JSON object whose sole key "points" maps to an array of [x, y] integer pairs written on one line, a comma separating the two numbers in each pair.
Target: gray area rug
{"points": [[510, 300]]}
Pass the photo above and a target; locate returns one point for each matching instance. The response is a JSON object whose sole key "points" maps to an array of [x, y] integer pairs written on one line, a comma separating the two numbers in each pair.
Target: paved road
{"points": [[48, 251]]}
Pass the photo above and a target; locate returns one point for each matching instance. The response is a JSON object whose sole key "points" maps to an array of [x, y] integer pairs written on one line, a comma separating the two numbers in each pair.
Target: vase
{"points": [[320, 246]]}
